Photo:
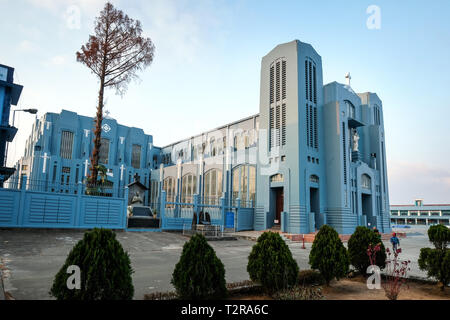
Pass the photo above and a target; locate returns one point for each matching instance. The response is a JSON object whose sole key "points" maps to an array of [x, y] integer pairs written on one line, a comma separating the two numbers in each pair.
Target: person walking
{"points": [[395, 242]]}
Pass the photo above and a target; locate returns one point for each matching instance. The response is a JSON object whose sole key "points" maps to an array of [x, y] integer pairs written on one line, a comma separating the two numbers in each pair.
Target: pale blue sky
{"points": [[206, 70]]}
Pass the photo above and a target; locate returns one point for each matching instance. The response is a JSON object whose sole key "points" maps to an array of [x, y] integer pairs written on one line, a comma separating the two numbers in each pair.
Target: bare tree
{"points": [[114, 54]]}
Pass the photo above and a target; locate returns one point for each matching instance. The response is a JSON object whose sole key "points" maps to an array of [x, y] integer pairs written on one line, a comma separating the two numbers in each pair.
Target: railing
{"points": [[175, 215], [97, 189]]}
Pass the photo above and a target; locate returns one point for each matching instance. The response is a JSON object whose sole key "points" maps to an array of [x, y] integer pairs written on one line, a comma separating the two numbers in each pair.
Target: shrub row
{"points": [[200, 274]]}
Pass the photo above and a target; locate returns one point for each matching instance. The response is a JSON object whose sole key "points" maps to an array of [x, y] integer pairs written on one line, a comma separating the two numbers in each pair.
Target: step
{"points": [[143, 222]]}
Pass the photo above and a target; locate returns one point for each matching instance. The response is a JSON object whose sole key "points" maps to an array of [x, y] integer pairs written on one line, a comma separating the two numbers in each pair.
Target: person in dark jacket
{"points": [[395, 242]]}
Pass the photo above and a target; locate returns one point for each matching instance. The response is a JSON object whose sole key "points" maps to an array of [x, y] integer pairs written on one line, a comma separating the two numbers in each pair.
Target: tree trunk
{"points": [[97, 133]]}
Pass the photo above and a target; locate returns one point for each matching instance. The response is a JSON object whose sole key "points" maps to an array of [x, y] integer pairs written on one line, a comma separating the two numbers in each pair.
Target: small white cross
{"points": [[44, 167], [86, 162], [122, 168]]}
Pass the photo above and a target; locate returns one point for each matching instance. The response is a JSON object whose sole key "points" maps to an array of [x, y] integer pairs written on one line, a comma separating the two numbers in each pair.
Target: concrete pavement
{"points": [[31, 258]]}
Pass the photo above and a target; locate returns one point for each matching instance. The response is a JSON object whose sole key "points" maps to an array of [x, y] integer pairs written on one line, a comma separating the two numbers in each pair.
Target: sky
{"points": [[206, 69]]}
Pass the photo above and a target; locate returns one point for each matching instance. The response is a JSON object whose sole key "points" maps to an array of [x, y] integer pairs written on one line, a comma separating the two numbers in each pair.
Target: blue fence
{"points": [[38, 209], [177, 215]]}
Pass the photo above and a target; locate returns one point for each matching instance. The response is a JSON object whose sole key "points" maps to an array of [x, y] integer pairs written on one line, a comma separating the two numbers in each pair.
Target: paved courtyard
{"points": [[31, 258]]}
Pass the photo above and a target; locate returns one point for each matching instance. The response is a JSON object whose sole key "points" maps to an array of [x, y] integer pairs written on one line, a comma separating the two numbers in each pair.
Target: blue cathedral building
{"points": [[313, 155]]}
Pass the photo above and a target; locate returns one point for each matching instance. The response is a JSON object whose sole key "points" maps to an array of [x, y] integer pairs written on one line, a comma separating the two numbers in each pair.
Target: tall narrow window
{"points": [[66, 144], [344, 152], [307, 125], [272, 128], [315, 84], [104, 151], [283, 125], [311, 129], [244, 184], [277, 126], [316, 142], [278, 81], [306, 80], [271, 83], [169, 188], [310, 82], [213, 186], [283, 79], [136, 156]]}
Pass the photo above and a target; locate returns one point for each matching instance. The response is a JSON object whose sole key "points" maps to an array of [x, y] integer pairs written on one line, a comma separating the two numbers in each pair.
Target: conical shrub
{"points": [[199, 274], [105, 269], [357, 249], [271, 264], [328, 254]]}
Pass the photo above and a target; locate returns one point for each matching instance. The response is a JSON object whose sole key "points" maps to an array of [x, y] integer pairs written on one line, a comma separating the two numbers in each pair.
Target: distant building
{"points": [[57, 153], [420, 214], [9, 95]]}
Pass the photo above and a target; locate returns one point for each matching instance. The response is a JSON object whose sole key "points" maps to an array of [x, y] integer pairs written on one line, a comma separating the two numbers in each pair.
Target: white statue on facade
{"points": [[355, 140]]}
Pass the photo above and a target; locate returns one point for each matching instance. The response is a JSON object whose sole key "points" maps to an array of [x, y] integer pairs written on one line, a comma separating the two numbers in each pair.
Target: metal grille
{"points": [[306, 80], [283, 125], [316, 140], [315, 84], [344, 153], [277, 126], [136, 156], [307, 125], [271, 83], [66, 145], [278, 81], [272, 127], [104, 151], [283, 79]]}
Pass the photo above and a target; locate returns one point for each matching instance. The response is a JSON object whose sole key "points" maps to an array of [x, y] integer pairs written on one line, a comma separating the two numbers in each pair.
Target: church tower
{"points": [[290, 156]]}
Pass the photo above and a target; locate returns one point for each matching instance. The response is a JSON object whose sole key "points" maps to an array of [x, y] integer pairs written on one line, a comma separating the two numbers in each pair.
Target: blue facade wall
{"points": [[34, 209], [43, 162]]}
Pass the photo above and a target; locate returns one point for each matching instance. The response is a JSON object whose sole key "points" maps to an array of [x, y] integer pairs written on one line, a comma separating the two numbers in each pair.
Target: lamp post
{"points": [[32, 111]]}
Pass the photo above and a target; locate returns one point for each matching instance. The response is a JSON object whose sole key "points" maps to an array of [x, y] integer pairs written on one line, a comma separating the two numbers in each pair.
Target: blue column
{"points": [[162, 208], [125, 205], [78, 214], [196, 205], [223, 211]]}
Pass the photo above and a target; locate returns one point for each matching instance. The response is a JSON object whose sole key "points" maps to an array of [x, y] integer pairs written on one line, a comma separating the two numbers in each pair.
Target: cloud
{"points": [[410, 180], [27, 46], [58, 6]]}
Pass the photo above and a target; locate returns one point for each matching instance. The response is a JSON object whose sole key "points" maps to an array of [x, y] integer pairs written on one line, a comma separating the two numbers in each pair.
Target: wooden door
{"points": [[279, 205]]}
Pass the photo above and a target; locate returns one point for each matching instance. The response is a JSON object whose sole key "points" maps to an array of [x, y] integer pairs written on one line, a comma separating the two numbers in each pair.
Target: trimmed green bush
{"points": [[199, 274], [271, 264], [328, 255], [105, 269], [357, 249], [439, 235], [436, 262]]}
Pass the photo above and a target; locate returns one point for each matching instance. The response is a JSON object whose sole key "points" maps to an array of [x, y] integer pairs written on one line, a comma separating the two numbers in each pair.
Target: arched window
{"points": [[212, 146], [277, 178], [169, 188], [366, 182], [244, 184], [189, 188], [213, 186]]}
